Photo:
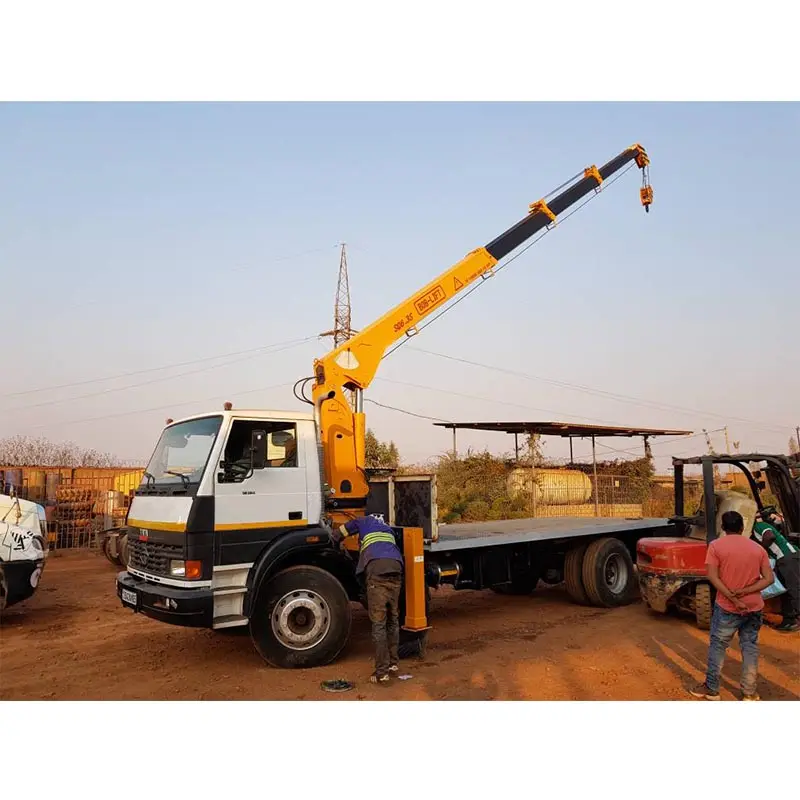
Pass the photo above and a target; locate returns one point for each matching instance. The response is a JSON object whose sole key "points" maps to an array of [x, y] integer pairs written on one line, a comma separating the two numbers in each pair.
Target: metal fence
{"points": [[571, 493], [482, 488], [78, 503]]}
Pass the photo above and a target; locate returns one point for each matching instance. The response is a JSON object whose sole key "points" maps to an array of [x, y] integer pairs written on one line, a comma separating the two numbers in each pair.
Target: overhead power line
{"points": [[55, 387], [601, 392], [165, 407], [162, 379], [493, 401]]}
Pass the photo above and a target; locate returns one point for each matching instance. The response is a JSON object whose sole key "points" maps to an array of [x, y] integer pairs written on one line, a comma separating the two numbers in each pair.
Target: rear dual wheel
{"points": [[600, 573]]}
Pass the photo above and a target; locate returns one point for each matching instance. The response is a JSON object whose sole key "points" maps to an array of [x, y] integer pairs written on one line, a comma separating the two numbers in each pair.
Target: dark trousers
{"points": [[788, 571], [383, 600]]}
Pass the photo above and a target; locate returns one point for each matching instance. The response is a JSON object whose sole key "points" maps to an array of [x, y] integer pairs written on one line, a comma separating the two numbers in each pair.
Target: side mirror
{"points": [[258, 450]]}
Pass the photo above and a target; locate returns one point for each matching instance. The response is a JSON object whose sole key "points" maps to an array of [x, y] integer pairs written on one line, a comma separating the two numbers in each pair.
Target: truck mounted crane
{"points": [[231, 525]]}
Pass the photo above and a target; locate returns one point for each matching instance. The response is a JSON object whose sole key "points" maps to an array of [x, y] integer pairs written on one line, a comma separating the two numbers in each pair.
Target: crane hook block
{"points": [[646, 195], [541, 207], [593, 172], [641, 157]]}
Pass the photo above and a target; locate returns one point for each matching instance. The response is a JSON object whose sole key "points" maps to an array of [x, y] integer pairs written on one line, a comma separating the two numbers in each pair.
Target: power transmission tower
{"points": [[342, 330]]}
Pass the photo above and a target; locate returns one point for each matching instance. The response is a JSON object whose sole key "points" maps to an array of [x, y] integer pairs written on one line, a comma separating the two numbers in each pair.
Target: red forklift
{"points": [[672, 570]]}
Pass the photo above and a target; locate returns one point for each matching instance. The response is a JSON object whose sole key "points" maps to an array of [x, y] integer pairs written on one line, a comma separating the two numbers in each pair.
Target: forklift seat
{"points": [[728, 501]]}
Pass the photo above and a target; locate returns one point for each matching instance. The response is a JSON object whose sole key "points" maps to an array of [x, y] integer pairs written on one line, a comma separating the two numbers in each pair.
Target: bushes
{"points": [[474, 489]]}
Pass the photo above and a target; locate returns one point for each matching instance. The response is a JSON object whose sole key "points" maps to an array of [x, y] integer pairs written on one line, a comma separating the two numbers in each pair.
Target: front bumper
{"points": [[192, 608], [22, 579], [658, 588]]}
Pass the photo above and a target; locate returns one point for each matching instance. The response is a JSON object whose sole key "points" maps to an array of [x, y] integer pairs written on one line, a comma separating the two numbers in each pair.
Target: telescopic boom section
{"points": [[353, 364]]}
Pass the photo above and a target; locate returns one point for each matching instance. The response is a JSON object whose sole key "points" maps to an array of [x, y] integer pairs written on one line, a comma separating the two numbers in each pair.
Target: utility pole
{"points": [[797, 433]]}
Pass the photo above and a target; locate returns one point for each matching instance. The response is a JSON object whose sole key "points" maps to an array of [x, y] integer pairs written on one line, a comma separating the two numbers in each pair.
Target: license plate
{"points": [[129, 597]]}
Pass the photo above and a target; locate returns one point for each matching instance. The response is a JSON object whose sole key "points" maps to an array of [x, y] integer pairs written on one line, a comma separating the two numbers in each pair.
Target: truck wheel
{"points": [[122, 549], [573, 574], [301, 618], [703, 606], [607, 572], [114, 559]]}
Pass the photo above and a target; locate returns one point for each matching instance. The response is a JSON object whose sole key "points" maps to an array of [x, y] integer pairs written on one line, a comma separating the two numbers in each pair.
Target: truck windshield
{"points": [[182, 452]]}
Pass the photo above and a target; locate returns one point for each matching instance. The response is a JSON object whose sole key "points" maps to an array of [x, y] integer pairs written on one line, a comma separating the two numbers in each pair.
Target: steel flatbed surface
{"points": [[514, 531]]}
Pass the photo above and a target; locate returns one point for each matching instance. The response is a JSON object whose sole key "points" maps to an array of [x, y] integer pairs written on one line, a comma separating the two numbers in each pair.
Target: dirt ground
{"points": [[74, 641]]}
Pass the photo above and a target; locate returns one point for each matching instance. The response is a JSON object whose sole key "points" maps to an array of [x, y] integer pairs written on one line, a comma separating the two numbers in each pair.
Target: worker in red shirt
{"points": [[739, 570]]}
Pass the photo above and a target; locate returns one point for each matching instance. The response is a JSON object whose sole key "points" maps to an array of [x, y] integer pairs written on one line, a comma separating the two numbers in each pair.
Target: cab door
{"points": [[253, 505]]}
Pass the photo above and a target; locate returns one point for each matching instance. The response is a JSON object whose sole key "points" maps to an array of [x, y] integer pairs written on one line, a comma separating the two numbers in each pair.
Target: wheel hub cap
{"points": [[301, 619]]}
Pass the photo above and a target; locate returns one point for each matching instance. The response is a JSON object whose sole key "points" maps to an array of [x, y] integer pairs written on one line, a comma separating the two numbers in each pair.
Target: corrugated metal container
{"points": [[35, 481], [127, 481], [12, 478], [556, 487], [51, 486]]}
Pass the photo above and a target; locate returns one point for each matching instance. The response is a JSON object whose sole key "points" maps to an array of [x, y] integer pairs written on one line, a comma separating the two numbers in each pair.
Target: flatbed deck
{"points": [[514, 531]]}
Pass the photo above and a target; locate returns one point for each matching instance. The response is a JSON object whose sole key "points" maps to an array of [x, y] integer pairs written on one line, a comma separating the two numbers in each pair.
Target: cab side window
{"points": [[236, 463]]}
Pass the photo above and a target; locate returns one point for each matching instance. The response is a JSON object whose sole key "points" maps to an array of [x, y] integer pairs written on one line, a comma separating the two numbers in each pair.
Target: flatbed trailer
{"points": [[593, 556]]}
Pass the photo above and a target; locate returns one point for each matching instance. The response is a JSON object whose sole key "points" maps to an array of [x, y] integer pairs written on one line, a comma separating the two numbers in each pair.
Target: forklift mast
{"points": [[778, 470]]}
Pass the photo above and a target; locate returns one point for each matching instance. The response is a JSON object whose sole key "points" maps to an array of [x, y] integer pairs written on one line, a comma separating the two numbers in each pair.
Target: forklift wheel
{"points": [[703, 606]]}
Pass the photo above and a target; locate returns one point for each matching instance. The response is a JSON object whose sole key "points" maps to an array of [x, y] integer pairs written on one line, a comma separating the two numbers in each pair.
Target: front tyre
{"points": [[301, 618]]}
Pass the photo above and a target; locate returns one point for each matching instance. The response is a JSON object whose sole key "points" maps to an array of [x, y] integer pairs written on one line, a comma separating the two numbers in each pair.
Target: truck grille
{"points": [[153, 557]]}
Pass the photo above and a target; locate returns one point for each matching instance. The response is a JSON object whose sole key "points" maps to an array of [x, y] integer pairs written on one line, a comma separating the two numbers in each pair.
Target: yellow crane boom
{"points": [[352, 365]]}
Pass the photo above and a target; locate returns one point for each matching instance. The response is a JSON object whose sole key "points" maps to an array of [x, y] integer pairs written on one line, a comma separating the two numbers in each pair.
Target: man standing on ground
{"points": [[787, 567], [739, 570], [381, 563]]}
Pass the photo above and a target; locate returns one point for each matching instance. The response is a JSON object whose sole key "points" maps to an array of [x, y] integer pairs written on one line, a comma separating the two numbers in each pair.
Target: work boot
{"points": [[701, 690], [788, 626], [375, 678], [754, 696]]}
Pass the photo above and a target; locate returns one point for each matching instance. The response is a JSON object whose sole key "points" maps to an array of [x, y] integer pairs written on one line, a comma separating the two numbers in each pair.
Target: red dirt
{"points": [[74, 641]]}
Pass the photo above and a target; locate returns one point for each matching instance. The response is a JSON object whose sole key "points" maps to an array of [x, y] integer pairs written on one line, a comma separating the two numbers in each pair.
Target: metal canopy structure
{"points": [[566, 430]]}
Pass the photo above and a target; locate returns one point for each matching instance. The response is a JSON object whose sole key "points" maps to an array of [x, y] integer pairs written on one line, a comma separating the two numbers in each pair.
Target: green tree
{"points": [[380, 455]]}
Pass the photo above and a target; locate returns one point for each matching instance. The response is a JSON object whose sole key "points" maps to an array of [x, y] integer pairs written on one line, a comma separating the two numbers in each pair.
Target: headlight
{"points": [[191, 570]]}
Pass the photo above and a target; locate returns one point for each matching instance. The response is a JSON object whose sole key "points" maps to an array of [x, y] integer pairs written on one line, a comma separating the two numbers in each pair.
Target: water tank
{"points": [[552, 487]]}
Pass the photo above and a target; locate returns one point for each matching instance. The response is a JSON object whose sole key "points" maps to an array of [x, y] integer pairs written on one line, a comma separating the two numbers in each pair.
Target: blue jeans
{"points": [[723, 627]]}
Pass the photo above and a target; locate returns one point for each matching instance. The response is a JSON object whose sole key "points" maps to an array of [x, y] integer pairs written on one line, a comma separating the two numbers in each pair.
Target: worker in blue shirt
{"points": [[380, 563]]}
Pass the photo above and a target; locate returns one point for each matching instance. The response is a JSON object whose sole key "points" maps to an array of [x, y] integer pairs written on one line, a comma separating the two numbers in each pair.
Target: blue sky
{"points": [[135, 236]]}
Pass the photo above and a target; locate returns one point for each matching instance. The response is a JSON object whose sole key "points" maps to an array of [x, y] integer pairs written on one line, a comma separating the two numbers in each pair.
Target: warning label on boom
{"points": [[457, 284]]}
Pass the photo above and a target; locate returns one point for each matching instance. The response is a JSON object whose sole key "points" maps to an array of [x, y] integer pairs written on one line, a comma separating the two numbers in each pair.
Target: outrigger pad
{"points": [[337, 685]]}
